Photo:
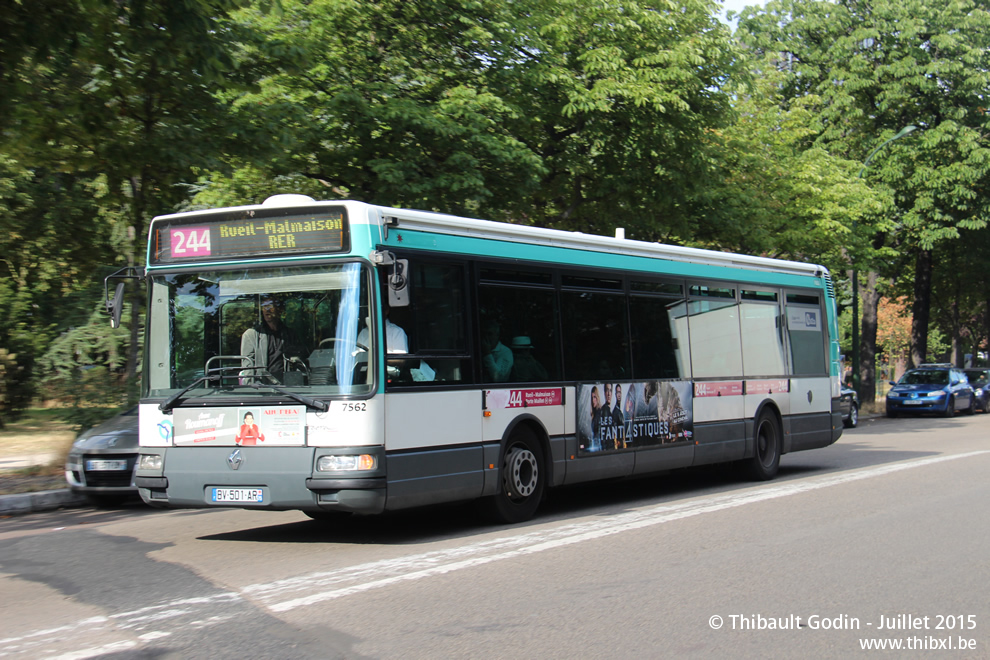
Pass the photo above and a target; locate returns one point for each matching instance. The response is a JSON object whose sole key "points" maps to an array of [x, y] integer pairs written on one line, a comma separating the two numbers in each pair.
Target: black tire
{"points": [[950, 407], [852, 421], [972, 405], [767, 438], [522, 479]]}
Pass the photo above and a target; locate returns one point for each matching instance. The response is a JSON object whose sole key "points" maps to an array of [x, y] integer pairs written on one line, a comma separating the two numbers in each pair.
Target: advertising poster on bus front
{"points": [[623, 416], [248, 426]]}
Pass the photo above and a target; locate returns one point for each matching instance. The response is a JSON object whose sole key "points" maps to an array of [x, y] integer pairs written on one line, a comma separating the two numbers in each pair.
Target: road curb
{"points": [[45, 500]]}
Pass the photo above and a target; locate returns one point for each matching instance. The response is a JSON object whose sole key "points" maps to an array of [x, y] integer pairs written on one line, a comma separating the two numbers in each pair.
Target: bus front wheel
{"points": [[521, 480], [765, 462]]}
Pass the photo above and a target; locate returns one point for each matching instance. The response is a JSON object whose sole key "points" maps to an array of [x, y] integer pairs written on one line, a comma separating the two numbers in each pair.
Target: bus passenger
{"points": [[497, 357], [525, 368]]}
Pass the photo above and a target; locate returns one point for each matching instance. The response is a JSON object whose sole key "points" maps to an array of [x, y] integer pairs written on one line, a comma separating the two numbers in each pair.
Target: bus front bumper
{"points": [[272, 478]]}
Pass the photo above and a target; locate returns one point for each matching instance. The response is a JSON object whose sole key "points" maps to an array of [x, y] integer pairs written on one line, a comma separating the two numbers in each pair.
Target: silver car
{"points": [[102, 460]]}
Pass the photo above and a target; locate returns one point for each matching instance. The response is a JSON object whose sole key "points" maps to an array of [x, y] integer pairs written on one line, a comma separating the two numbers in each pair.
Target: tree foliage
{"points": [[116, 104], [586, 115], [880, 65], [574, 114]]}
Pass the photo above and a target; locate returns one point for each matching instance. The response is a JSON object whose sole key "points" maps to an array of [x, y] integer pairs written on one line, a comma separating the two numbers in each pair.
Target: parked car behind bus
{"points": [[102, 460], [931, 388], [979, 379], [849, 405]]}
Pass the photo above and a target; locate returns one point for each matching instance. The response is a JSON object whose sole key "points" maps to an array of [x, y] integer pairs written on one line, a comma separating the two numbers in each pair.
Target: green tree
{"points": [[780, 195], [576, 115], [49, 251], [621, 102], [130, 100], [383, 101], [879, 65]]}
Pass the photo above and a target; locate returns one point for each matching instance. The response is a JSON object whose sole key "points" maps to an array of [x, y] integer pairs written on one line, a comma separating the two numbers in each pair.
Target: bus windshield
{"points": [[299, 328]]}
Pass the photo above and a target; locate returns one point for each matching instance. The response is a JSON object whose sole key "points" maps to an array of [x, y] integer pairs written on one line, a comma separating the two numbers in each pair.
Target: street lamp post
{"points": [[855, 274]]}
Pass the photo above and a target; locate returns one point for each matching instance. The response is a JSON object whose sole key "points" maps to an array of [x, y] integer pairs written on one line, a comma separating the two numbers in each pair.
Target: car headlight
{"points": [[937, 394], [346, 463], [150, 462]]}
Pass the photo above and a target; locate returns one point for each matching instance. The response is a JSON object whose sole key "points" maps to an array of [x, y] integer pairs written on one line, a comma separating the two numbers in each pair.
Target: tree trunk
{"points": [[868, 340], [986, 330], [135, 235], [958, 349], [922, 307]]}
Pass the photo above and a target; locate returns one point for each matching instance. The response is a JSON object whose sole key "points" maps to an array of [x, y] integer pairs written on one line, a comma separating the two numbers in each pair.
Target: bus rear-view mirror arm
{"points": [[115, 305], [398, 277]]}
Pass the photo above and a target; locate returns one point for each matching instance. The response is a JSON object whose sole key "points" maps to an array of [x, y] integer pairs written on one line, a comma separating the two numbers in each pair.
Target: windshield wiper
{"points": [[322, 406], [169, 403]]}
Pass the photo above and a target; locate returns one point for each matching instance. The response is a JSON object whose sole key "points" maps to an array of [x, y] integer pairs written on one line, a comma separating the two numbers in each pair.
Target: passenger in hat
{"points": [[525, 368]]}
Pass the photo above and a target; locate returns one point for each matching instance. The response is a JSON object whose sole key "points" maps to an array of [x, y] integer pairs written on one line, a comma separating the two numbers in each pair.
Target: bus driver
{"points": [[269, 343]]}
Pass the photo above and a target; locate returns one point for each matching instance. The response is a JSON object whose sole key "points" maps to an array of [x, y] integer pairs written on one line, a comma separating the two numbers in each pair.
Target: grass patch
{"points": [[39, 431]]}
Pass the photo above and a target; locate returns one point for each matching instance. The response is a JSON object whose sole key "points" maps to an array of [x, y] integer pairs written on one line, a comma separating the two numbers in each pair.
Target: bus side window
{"points": [[518, 341], [596, 340], [656, 351], [805, 330], [435, 325]]}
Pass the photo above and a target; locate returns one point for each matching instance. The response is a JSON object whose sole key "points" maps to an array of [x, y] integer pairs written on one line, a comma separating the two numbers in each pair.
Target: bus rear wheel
{"points": [[522, 479], [765, 462]]}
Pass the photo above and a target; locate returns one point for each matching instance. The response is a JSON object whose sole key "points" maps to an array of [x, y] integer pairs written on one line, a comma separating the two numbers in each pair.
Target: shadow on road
{"points": [[607, 498]]}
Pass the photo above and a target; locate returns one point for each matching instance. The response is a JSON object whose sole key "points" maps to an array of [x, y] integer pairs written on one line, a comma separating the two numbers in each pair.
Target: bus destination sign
{"points": [[248, 234]]}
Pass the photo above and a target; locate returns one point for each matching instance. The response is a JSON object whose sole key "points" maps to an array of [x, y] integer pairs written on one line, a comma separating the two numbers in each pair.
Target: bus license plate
{"points": [[105, 465], [238, 495]]}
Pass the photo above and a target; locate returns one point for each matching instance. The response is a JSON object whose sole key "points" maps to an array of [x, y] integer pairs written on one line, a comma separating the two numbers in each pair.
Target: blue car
{"points": [[931, 388], [979, 378]]}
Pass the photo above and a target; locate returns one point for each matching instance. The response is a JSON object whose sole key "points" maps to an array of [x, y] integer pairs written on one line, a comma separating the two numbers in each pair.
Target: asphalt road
{"points": [[887, 528]]}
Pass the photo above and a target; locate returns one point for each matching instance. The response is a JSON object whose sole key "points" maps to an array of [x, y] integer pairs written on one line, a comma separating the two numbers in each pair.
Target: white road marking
{"points": [[430, 564], [93, 652], [347, 581]]}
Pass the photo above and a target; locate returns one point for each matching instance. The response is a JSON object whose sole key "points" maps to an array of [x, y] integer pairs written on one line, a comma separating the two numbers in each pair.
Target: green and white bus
{"points": [[345, 358]]}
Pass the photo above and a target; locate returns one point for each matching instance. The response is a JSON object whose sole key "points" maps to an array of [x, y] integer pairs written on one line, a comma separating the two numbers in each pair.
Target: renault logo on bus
{"points": [[235, 459]]}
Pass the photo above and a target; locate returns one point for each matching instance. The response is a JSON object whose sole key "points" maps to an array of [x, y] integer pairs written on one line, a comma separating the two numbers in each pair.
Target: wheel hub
{"points": [[521, 472]]}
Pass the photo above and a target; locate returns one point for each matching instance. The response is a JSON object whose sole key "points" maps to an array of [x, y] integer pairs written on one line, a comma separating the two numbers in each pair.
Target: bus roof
{"points": [[439, 223]]}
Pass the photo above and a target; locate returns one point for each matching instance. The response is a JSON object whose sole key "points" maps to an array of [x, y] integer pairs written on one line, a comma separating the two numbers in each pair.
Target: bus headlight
{"points": [[150, 462], [348, 463]]}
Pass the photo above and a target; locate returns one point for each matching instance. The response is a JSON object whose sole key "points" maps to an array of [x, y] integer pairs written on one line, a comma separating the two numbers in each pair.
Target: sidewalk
{"points": [[45, 500]]}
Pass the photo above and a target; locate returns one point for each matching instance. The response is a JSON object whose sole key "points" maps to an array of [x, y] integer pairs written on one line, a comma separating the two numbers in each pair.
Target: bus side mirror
{"points": [[397, 277], [398, 283], [116, 306]]}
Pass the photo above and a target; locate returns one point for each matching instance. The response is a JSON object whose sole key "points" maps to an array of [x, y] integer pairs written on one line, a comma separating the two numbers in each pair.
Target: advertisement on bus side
{"points": [[622, 416]]}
